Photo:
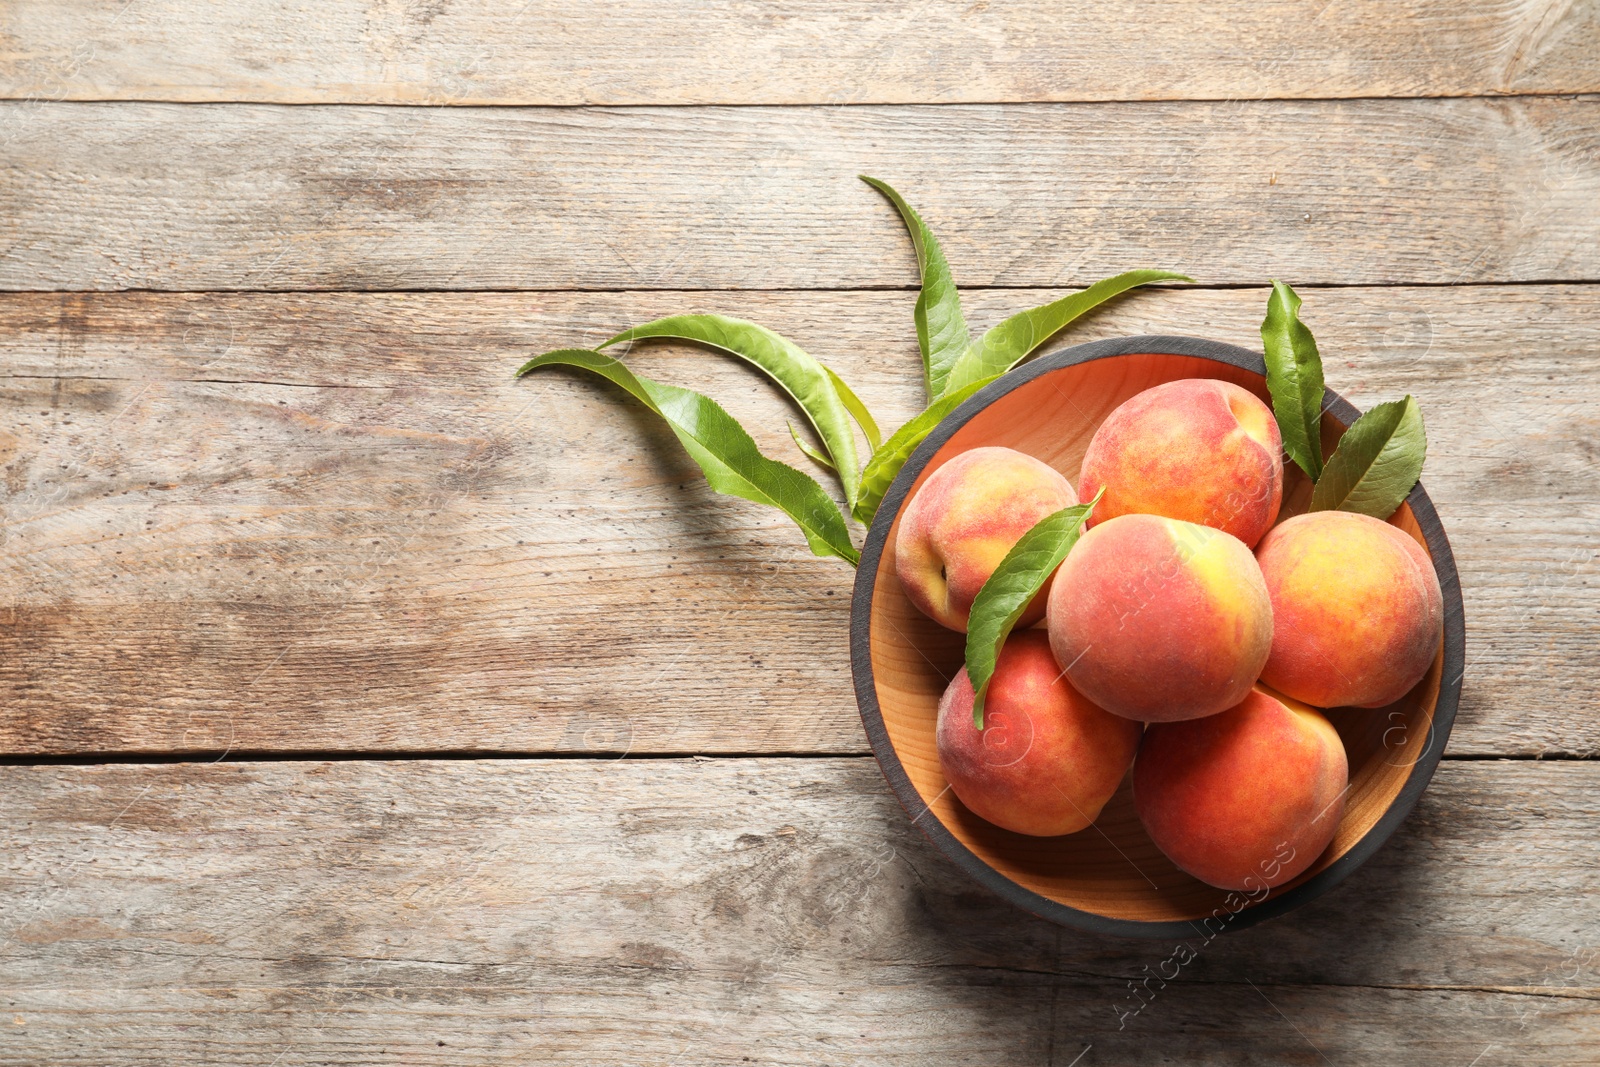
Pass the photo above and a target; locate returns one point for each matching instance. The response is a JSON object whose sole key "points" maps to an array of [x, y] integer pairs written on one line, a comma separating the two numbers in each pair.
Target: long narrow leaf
{"points": [[1378, 460], [1018, 337], [1294, 379], [1012, 587], [729, 458], [857, 409], [798, 373], [941, 328], [810, 451], [887, 460]]}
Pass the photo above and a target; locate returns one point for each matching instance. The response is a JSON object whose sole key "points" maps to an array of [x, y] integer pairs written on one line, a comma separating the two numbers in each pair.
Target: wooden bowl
{"points": [[1110, 878]]}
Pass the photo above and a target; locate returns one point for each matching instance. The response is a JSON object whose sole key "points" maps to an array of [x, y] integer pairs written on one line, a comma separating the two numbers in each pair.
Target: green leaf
{"points": [[1019, 336], [1378, 460], [1294, 378], [941, 328], [814, 454], [1012, 587], [798, 373], [729, 458], [887, 460], [853, 404]]}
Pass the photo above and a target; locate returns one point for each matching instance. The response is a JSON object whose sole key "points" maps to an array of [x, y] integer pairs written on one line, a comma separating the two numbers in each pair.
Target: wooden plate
{"points": [[1110, 878]]}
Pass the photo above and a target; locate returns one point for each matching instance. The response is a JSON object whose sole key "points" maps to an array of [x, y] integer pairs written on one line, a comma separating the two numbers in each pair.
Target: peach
{"points": [[1046, 760], [1200, 450], [1246, 799], [1357, 610], [963, 521], [1160, 620]]}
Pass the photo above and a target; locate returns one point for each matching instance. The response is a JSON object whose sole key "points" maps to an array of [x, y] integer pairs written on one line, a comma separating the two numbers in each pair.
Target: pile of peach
{"points": [[1189, 634]]}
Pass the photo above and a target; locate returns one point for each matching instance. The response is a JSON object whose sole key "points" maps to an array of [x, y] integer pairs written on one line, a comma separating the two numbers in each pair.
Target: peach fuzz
{"points": [[1200, 450], [1357, 610], [964, 519], [1160, 620], [1246, 799], [1047, 760]]}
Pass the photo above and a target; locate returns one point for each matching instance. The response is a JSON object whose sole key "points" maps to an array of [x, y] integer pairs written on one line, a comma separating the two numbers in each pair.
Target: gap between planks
{"points": [[1509, 283], [102, 759], [1549, 94]]}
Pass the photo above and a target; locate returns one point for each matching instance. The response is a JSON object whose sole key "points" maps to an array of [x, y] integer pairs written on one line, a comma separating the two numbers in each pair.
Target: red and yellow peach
{"points": [[1200, 450], [1357, 610], [1046, 760], [1246, 799], [1160, 620], [962, 522]]}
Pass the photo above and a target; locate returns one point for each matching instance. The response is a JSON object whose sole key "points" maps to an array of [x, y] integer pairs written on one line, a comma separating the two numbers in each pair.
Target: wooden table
{"points": [[362, 704]]}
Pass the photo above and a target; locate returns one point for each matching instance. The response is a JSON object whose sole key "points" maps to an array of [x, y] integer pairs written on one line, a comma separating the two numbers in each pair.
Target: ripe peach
{"points": [[1047, 760], [1246, 799], [1160, 620], [1357, 610], [1200, 450], [963, 521]]}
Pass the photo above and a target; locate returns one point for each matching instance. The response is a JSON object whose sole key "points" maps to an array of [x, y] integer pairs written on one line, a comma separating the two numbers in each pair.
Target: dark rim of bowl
{"points": [[1444, 711]]}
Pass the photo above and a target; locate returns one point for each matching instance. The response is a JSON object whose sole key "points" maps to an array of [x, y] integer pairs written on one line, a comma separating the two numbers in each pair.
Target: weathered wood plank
{"points": [[770, 911], [304, 522], [105, 196], [720, 51]]}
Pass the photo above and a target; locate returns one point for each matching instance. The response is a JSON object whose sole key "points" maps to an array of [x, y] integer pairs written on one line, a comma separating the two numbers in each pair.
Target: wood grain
{"points": [[304, 522], [108, 196], [308, 522], [733, 911], [816, 51]]}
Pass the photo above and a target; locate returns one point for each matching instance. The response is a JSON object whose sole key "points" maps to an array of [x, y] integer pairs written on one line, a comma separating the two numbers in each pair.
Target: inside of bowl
{"points": [[1111, 869]]}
